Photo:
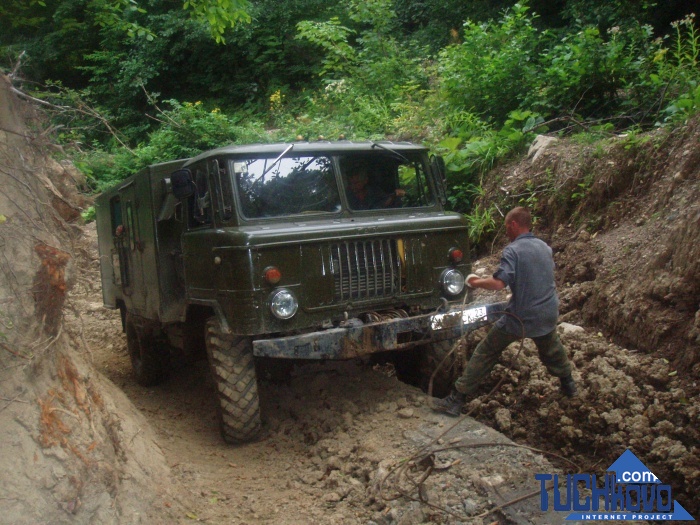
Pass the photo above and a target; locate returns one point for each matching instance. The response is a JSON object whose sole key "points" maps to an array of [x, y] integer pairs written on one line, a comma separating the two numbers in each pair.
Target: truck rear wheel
{"points": [[438, 356], [149, 358], [233, 370]]}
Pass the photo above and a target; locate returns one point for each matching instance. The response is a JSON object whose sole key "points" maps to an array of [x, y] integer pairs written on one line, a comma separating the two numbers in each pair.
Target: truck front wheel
{"points": [[440, 363], [233, 371], [149, 358]]}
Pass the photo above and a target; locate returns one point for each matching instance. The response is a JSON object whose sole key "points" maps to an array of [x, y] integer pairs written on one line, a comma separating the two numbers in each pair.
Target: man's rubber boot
{"points": [[568, 386], [452, 404]]}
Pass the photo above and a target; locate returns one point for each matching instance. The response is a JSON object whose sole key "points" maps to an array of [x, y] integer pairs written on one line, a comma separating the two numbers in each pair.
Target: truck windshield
{"points": [[291, 186], [385, 181]]}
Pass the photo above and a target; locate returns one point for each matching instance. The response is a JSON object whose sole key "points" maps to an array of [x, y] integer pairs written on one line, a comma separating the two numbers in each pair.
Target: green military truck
{"points": [[305, 250]]}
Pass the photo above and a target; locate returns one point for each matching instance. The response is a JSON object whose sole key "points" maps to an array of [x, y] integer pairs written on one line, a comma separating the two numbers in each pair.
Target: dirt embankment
{"points": [[623, 218], [74, 448]]}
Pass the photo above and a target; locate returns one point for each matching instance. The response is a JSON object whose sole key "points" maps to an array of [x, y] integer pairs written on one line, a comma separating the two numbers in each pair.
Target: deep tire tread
{"points": [[433, 355], [233, 370]]}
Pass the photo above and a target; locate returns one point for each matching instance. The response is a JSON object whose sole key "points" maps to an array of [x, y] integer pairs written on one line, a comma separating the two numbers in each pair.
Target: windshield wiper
{"points": [[377, 145], [274, 162]]}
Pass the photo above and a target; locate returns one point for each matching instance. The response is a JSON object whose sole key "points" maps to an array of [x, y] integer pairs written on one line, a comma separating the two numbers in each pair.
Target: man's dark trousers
{"points": [[551, 352]]}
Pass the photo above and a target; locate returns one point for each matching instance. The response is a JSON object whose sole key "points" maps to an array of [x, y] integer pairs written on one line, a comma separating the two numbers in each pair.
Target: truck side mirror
{"points": [[182, 184], [437, 165]]}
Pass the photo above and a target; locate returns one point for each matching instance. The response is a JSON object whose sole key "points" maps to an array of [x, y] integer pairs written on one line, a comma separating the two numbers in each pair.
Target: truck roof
{"points": [[162, 169], [307, 147]]}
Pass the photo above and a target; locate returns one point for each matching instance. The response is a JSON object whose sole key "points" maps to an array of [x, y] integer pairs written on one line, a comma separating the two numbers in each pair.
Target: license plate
{"points": [[474, 314], [448, 320]]}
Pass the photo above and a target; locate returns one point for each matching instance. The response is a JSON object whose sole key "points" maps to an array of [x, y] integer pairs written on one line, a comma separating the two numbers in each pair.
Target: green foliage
{"points": [[88, 215], [530, 198], [18, 14], [104, 169], [480, 223], [374, 85], [187, 129], [686, 104], [118, 14], [352, 68], [125, 16], [492, 70], [583, 188], [636, 141], [218, 14], [607, 14], [476, 148], [379, 14], [436, 23], [332, 37], [586, 72], [461, 196], [683, 71], [181, 62]]}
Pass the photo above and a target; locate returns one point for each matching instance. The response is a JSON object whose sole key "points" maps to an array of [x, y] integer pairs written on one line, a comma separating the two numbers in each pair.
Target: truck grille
{"points": [[365, 269]]}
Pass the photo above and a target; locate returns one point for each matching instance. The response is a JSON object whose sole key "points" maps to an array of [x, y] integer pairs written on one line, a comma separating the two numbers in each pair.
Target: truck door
{"points": [[128, 243], [197, 242]]}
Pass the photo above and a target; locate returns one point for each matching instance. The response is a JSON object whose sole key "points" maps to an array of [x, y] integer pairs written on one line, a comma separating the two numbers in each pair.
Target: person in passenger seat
{"points": [[364, 196]]}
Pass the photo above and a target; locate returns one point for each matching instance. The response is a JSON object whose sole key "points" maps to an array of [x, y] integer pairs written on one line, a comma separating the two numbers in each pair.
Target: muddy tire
{"points": [[233, 370], [439, 354], [149, 356]]}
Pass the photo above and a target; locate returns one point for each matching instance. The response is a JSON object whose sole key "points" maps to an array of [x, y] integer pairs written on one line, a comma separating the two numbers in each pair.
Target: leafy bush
{"points": [[368, 80], [588, 73], [492, 70], [480, 223], [189, 128], [332, 37], [476, 148], [682, 71], [581, 73], [89, 214], [354, 76], [186, 130]]}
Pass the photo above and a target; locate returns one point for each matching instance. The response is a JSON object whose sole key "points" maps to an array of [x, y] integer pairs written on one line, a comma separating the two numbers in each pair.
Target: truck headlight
{"points": [[284, 305], [452, 281]]}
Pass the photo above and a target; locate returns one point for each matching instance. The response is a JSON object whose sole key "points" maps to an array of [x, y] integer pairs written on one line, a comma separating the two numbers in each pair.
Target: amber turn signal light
{"points": [[272, 275], [456, 255]]}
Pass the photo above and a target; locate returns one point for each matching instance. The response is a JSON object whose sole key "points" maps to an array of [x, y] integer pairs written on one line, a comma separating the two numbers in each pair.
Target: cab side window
{"points": [[200, 202]]}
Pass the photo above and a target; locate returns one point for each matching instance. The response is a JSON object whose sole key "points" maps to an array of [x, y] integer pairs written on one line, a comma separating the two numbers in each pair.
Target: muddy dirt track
{"points": [[332, 434]]}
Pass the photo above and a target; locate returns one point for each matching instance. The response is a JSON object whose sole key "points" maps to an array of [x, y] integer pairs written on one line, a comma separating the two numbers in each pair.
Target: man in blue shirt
{"points": [[527, 267]]}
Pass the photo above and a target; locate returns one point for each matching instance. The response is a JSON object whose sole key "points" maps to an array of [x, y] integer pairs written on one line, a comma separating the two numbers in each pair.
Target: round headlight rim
{"points": [[272, 301], [446, 283]]}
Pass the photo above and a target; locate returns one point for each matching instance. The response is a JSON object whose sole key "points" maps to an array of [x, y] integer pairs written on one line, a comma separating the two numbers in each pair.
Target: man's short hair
{"points": [[521, 216]]}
